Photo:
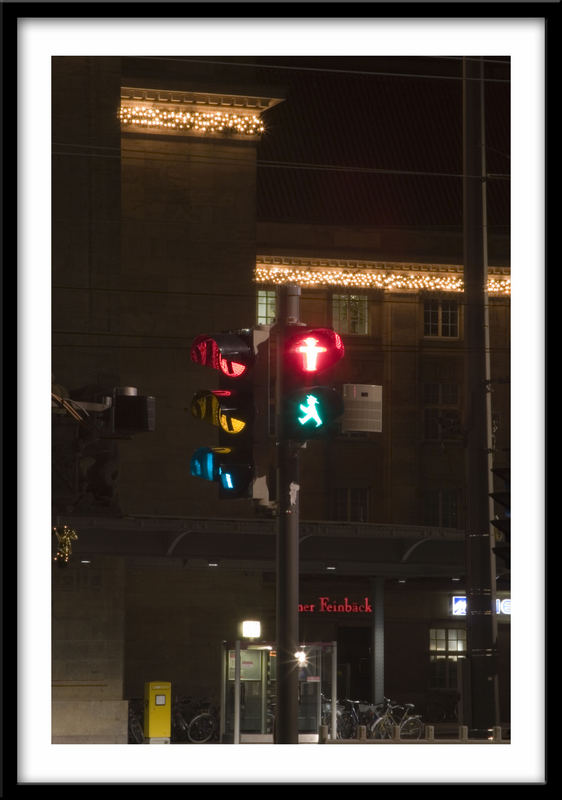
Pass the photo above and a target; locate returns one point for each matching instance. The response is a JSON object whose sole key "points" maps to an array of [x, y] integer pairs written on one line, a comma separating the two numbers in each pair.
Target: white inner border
{"points": [[523, 760]]}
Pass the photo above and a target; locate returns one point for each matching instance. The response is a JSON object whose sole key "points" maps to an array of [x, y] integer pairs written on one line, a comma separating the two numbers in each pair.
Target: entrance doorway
{"points": [[354, 663]]}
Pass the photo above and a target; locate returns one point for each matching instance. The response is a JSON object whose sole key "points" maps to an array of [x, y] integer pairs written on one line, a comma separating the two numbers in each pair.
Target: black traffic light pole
{"points": [[288, 301], [480, 562]]}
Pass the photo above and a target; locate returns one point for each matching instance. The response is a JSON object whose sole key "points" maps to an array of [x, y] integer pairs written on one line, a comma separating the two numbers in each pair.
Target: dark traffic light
{"points": [[310, 409], [502, 520]]}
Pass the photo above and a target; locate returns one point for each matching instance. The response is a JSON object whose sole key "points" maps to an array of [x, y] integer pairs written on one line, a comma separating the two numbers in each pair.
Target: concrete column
{"points": [[377, 639]]}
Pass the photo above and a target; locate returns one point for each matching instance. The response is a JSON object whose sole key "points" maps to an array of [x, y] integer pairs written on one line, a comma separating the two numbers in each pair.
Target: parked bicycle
{"points": [[196, 722], [135, 728], [355, 713], [326, 715], [401, 716]]}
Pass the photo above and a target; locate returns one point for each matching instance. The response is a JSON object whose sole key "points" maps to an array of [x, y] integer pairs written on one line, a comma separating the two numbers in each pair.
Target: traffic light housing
{"points": [[502, 521], [230, 409], [310, 409]]}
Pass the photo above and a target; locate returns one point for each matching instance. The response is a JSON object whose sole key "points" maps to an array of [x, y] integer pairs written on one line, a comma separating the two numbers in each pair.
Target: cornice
{"points": [[175, 112], [361, 274]]}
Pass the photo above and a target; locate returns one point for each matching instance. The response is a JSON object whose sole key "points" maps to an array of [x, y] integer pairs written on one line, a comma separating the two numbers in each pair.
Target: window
{"points": [[266, 306], [441, 318], [441, 508], [351, 505], [349, 313], [446, 647], [442, 419]]}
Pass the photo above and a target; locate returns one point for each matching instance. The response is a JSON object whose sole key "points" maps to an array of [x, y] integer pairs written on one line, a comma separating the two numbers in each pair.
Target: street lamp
{"points": [[251, 629]]}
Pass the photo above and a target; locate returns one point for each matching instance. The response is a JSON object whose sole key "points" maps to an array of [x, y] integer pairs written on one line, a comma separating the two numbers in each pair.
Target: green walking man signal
{"points": [[309, 410]]}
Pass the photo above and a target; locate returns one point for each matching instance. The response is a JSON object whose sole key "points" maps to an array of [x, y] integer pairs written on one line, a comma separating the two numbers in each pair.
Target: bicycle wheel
{"points": [[411, 728], [201, 728], [345, 726], [179, 728], [383, 728], [136, 733]]}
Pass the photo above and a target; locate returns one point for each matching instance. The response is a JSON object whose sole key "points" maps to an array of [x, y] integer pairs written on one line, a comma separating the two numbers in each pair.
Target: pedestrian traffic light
{"points": [[309, 351], [502, 521], [310, 409], [230, 408]]}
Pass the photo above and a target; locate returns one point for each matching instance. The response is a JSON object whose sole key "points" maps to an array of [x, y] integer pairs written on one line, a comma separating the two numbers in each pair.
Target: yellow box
{"points": [[157, 710]]}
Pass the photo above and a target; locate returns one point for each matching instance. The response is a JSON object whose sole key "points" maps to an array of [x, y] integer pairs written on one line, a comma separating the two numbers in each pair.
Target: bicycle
{"points": [[326, 715], [395, 715], [135, 730], [356, 713], [204, 727], [194, 722]]}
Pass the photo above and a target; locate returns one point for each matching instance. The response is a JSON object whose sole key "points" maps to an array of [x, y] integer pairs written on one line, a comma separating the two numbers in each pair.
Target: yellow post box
{"points": [[158, 711]]}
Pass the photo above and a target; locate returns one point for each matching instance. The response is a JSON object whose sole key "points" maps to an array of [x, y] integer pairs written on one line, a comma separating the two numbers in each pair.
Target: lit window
{"points": [[349, 313], [446, 647], [441, 318], [266, 306]]}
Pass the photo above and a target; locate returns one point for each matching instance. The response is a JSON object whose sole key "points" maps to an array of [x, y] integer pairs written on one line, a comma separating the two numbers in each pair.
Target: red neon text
{"points": [[326, 605]]}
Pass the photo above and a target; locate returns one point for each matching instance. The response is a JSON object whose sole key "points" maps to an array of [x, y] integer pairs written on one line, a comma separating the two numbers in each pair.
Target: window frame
{"points": [[441, 324], [443, 405], [343, 497], [441, 501], [266, 298], [448, 656], [343, 324]]}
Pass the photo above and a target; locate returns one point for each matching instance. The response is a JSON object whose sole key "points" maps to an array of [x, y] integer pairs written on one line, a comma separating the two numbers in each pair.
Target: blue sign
{"points": [[458, 606]]}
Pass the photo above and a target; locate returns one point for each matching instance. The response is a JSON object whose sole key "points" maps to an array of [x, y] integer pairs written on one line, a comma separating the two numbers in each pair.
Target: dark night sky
{"points": [[336, 150], [372, 119]]}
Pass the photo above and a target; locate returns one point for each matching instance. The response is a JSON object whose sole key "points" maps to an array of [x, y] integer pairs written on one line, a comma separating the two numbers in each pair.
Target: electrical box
{"points": [[158, 711], [362, 404]]}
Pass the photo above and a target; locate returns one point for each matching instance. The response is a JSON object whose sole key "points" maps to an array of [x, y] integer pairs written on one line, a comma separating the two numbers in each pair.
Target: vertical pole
{"points": [[237, 692], [334, 690], [377, 640], [480, 563], [224, 684], [288, 299]]}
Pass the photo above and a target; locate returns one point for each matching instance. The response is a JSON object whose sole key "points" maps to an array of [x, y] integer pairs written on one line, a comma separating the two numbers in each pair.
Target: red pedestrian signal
{"points": [[313, 350], [309, 410]]}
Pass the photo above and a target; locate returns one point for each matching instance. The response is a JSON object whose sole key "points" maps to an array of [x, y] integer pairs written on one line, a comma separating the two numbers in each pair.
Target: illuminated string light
{"points": [[373, 278], [200, 121]]}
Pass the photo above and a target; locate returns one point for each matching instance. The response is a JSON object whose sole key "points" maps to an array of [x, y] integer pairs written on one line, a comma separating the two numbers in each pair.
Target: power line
{"points": [[151, 155], [330, 70]]}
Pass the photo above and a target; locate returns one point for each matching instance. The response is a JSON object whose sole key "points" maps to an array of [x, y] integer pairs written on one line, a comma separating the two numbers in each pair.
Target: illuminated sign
{"points": [[326, 605], [458, 606]]}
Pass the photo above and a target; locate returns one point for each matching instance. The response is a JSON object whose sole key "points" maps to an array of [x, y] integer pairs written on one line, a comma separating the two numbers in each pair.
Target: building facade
{"points": [[156, 239]]}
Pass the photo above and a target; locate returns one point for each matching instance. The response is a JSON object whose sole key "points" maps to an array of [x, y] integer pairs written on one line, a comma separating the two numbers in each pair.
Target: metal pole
{"points": [[288, 298], [334, 690], [237, 693], [377, 640], [480, 563]]}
